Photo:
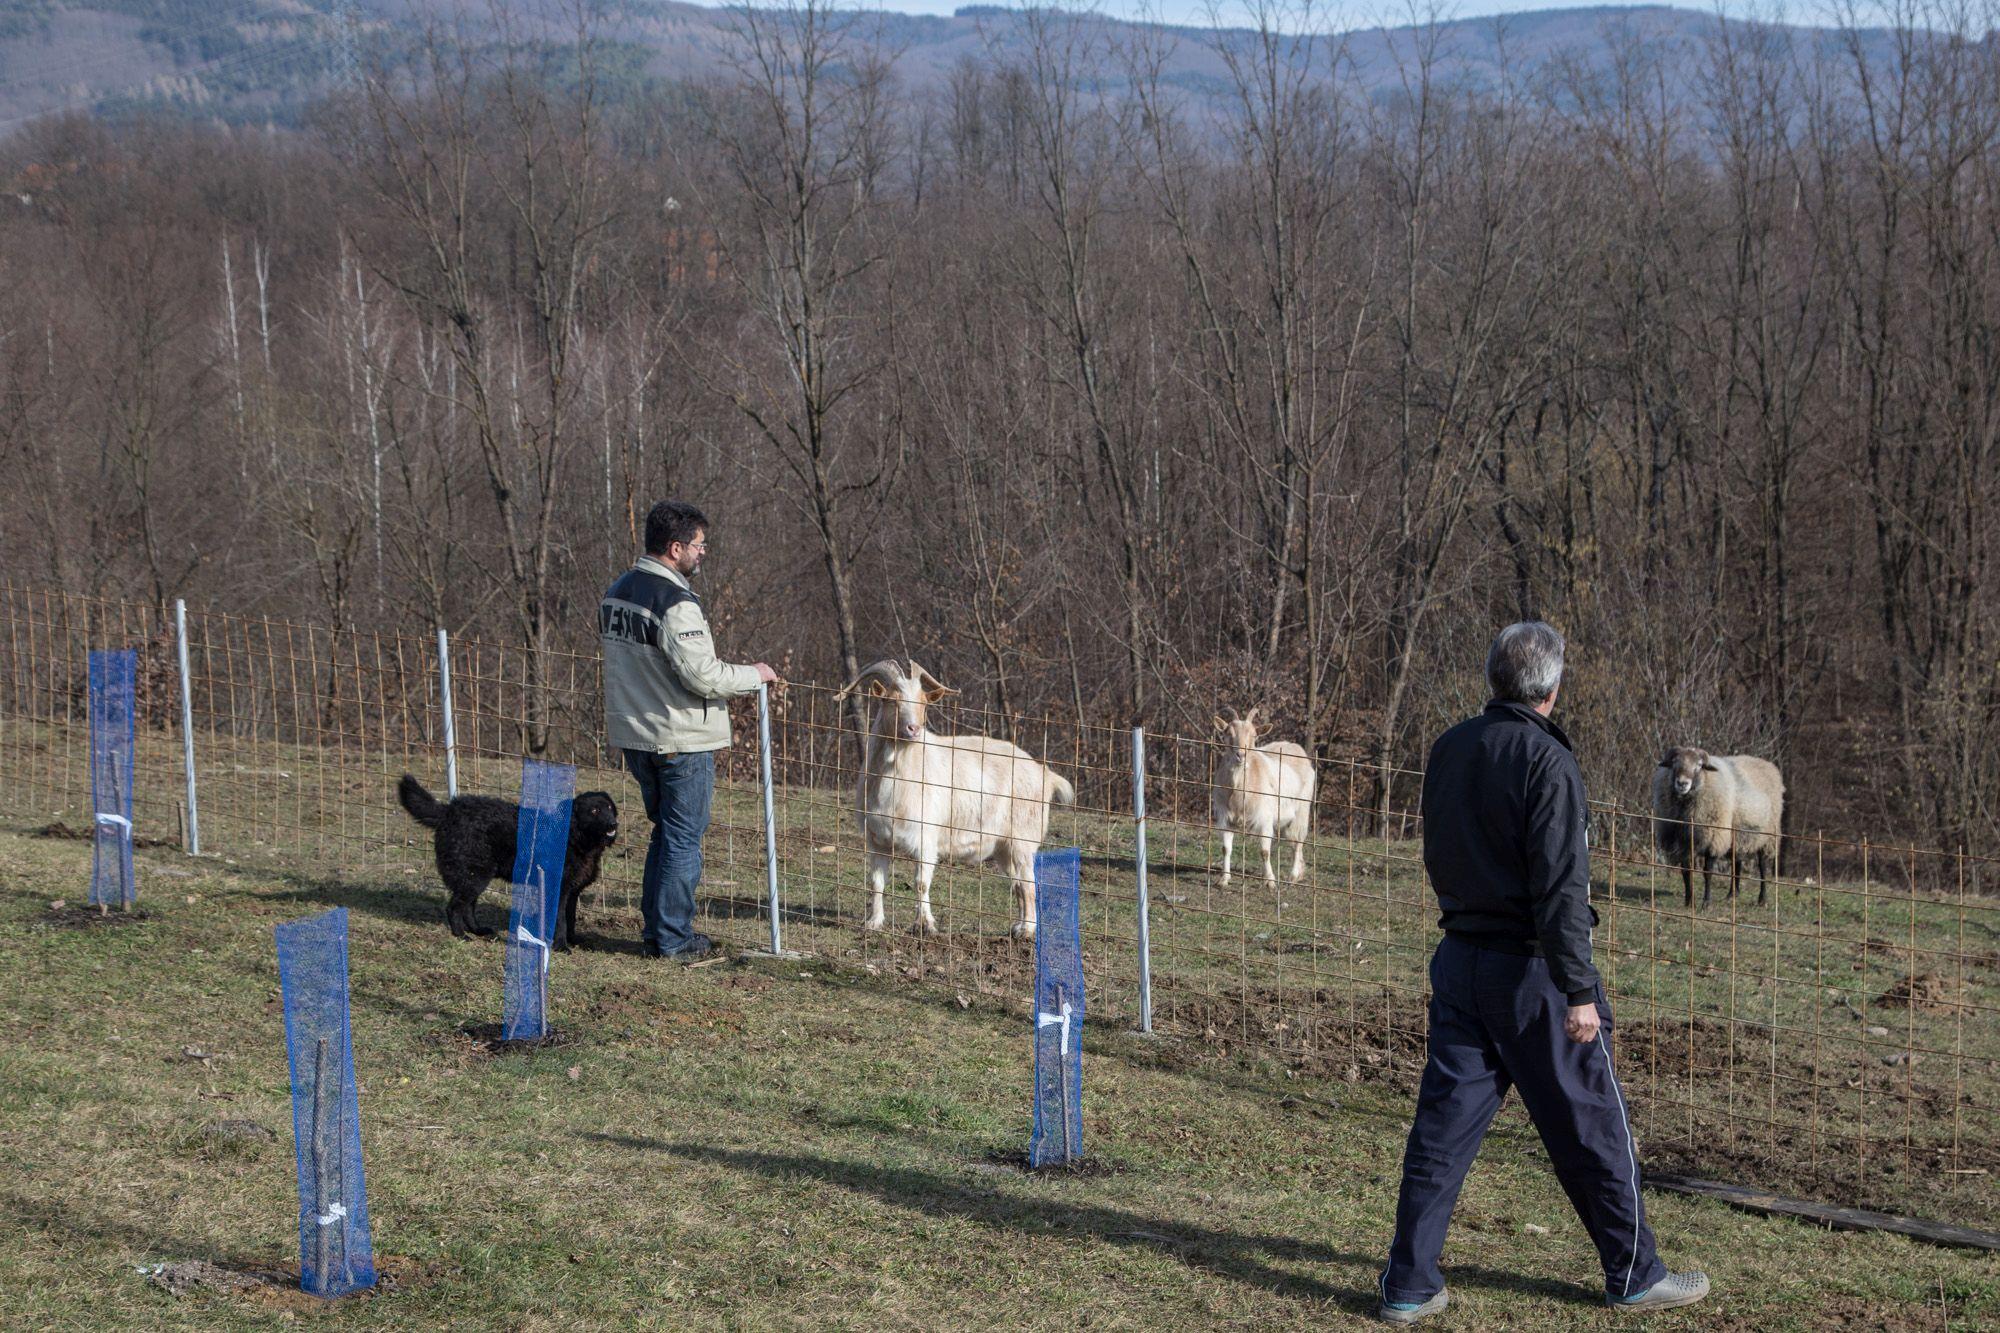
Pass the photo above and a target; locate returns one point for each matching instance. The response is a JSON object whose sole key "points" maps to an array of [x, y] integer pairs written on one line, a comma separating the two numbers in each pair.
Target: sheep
{"points": [[973, 800], [1262, 789], [1716, 807]]}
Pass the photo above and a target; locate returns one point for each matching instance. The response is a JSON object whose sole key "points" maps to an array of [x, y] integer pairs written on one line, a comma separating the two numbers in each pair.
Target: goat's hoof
{"points": [[872, 924], [1023, 931], [924, 926]]}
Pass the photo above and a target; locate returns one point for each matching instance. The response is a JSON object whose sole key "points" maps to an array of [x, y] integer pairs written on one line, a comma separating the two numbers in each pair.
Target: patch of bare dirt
{"points": [[1319, 1031], [1831, 1311], [1925, 991], [81, 916], [187, 1277], [1083, 1168], [276, 1286], [990, 964], [625, 1005], [486, 1039], [58, 829]]}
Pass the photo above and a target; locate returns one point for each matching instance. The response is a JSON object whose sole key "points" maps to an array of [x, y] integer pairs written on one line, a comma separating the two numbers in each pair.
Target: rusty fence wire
{"points": [[1836, 1039]]}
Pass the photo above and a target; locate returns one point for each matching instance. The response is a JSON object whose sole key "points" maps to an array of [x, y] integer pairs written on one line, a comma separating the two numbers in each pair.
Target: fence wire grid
{"points": [[1837, 1040]]}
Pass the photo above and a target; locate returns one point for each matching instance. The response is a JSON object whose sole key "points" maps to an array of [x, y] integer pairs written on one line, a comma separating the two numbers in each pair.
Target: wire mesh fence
{"points": [[1836, 1039]]}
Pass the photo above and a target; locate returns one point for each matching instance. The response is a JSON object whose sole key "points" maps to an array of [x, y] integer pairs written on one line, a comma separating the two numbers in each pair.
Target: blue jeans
{"points": [[678, 790], [1496, 1023]]}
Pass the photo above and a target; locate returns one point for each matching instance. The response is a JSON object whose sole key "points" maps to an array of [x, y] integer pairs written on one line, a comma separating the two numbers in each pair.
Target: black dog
{"points": [[475, 844]]}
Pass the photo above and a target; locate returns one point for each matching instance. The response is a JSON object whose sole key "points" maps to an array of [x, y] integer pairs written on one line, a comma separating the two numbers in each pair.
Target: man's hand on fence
{"points": [[764, 673], [1581, 1025]]}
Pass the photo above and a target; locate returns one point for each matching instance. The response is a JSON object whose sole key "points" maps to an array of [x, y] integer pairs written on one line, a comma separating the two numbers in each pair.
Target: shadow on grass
{"points": [[746, 908], [59, 1220], [1243, 1258], [1157, 868], [414, 904]]}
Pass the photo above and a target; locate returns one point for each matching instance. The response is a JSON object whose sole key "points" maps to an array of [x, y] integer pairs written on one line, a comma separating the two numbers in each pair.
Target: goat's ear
{"points": [[935, 692], [1710, 766], [877, 689]]}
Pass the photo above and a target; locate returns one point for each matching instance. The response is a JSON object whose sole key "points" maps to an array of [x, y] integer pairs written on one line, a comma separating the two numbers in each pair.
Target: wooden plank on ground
{"points": [[1839, 1219]]}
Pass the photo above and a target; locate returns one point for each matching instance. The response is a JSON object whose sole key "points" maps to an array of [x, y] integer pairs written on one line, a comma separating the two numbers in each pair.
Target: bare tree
{"points": [[491, 203], [804, 140]]}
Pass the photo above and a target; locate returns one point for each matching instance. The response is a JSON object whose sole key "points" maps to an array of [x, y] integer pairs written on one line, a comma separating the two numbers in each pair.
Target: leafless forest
{"points": [[1100, 404]]}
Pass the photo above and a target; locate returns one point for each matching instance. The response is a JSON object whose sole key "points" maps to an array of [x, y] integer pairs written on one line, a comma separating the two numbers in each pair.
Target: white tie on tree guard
{"points": [[1044, 1020]]}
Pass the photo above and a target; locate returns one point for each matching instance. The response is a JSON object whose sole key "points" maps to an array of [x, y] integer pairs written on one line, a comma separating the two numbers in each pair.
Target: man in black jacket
{"points": [[1514, 999]]}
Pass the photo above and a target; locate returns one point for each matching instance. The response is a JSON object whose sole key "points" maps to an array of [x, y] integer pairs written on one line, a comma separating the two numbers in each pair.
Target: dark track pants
{"points": [[1497, 1021]]}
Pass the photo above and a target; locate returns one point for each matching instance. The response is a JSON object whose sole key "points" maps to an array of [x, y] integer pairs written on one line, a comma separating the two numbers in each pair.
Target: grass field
{"points": [[770, 1144], [1759, 1045]]}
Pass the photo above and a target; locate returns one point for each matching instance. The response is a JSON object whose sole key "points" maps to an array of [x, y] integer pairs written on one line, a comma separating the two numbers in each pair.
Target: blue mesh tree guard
{"points": [[541, 846], [334, 1252], [112, 745], [1058, 1136]]}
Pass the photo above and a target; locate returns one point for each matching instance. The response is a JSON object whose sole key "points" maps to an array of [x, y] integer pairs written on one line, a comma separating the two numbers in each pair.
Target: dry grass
{"points": [[777, 1144], [1767, 1045]]}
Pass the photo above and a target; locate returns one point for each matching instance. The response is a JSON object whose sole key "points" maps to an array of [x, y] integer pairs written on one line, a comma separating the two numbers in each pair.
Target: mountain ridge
{"points": [[258, 61]]}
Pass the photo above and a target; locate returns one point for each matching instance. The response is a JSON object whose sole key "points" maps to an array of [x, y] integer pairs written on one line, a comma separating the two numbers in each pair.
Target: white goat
{"points": [[969, 799], [1264, 790]]}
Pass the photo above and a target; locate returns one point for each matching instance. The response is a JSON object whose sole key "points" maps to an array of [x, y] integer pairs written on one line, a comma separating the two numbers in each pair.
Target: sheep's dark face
{"points": [[1685, 766]]}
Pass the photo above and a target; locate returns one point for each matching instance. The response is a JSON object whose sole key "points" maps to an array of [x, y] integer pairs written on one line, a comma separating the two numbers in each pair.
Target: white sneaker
{"points": [[1673, 1290]]}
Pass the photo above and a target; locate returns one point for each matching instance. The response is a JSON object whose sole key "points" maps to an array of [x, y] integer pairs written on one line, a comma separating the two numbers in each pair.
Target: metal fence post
{"points": [[1139, 858], [187, 726], [770, 810], [444, 702]]}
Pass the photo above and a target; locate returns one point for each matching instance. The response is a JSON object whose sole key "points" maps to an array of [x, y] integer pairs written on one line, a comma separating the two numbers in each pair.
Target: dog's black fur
{"points": [[475, 845]]}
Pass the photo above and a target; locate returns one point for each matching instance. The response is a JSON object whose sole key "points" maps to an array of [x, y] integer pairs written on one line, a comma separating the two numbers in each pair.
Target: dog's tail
{"points": [[425, 808]]}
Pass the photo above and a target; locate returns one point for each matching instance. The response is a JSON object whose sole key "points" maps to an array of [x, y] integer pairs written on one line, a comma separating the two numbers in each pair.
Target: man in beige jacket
{"points": [[666, 706]]}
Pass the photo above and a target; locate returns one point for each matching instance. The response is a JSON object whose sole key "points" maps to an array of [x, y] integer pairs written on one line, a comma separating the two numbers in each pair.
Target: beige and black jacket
{"points": [[664, 688]]}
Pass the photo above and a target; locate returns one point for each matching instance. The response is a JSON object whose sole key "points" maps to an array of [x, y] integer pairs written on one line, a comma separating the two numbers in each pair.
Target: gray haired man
{"points": [[1515, 1001]]}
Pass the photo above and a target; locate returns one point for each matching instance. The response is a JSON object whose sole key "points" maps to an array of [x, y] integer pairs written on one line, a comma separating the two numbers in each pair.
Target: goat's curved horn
{"points": [[888, 671], [932, 687]]}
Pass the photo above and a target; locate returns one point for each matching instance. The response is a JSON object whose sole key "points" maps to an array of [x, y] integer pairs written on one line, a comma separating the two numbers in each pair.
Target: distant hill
{"points": [[266, 60]]}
